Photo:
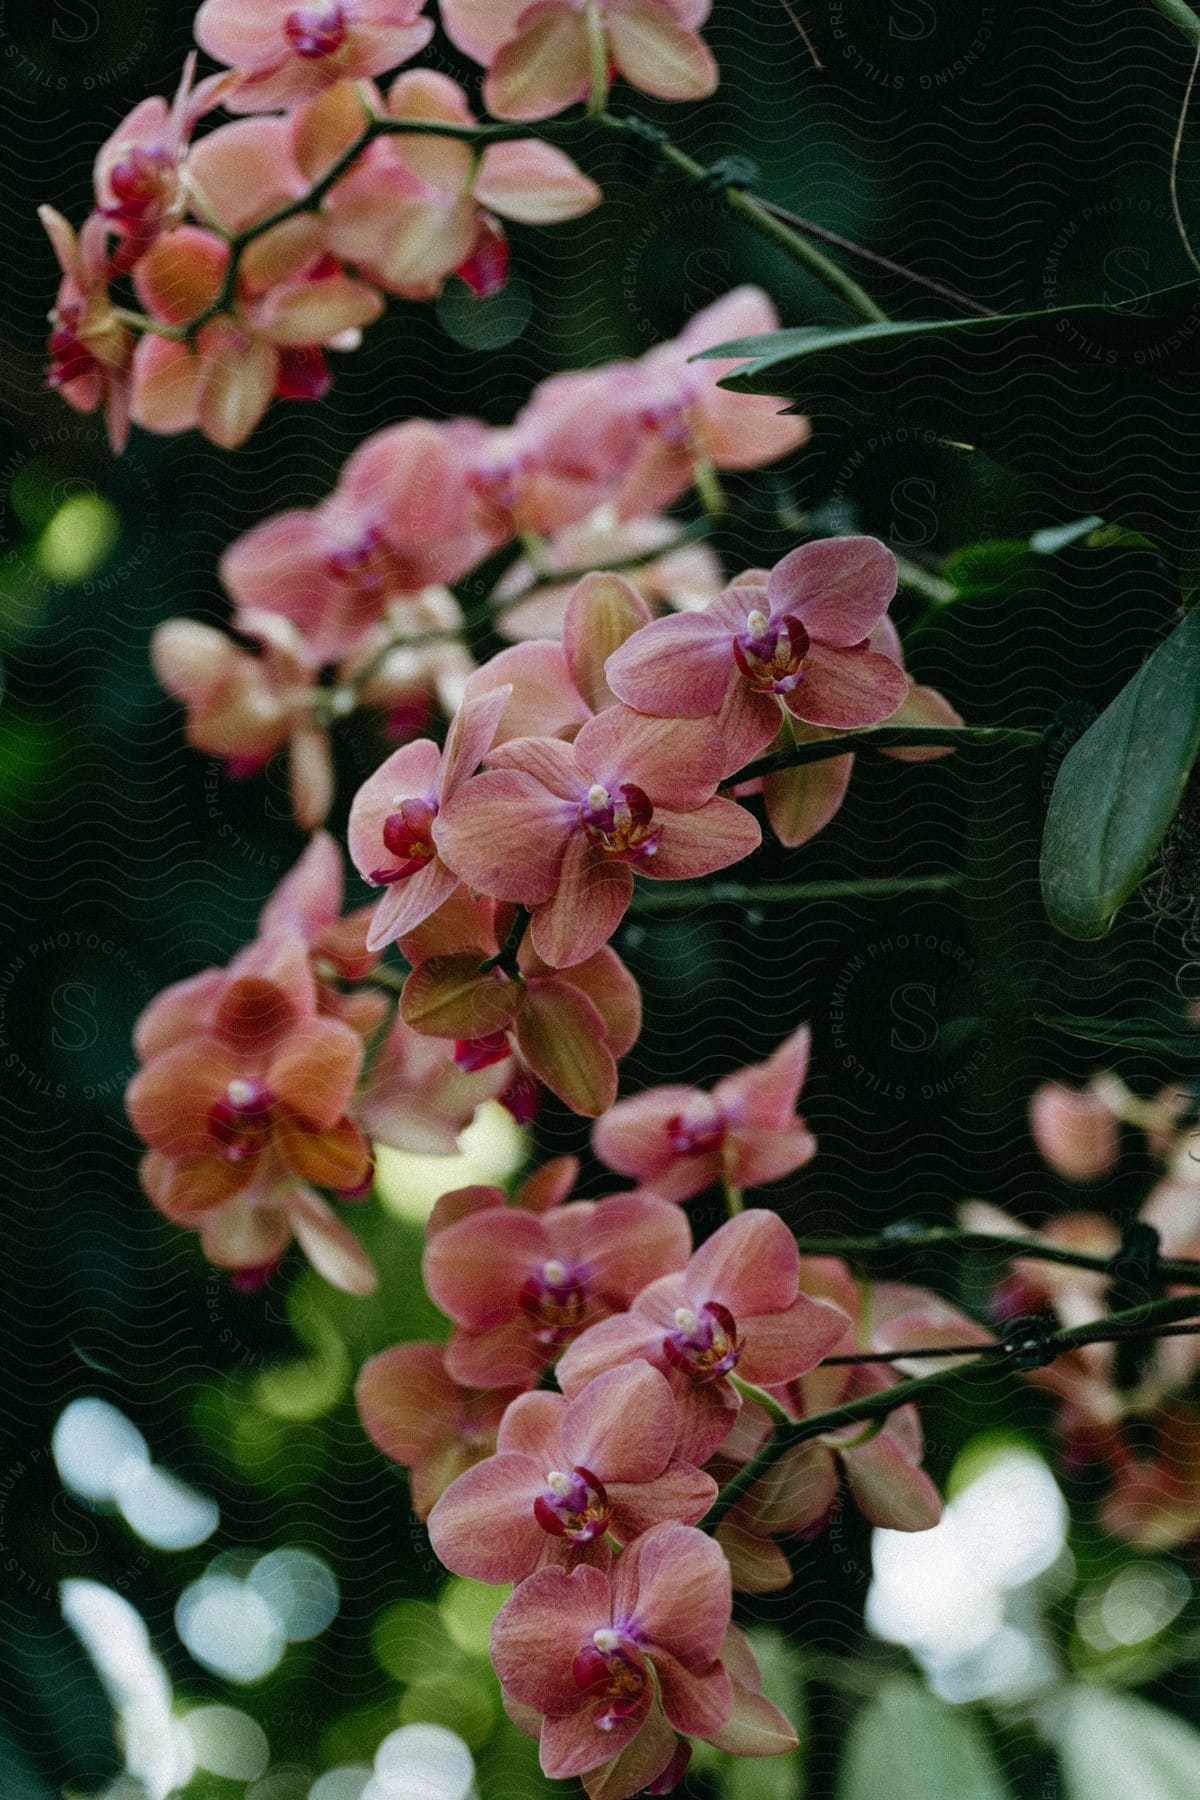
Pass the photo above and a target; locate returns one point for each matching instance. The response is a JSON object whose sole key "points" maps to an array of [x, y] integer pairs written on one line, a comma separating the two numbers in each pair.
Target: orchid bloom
{"points": [[416, 1097], [799, 643], [539, 56], [736, 1306], [244, 707], [680, 1140], [798, 1495], [140, 180], [243, 1099], [416, 208], [560, 828], [291, 301], [556, 688], [801, 801], [90, 349], [565, 1475], [394, 819], [684, 578], [686, 423], [422, 1419], [590, 1653], [520, 1284], [1075, 1129], [568, 1028], [881, 1467], [285, 53]]}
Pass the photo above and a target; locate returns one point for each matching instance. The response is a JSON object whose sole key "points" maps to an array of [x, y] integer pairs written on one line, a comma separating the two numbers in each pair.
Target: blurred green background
{"points": [[1018, 152]]}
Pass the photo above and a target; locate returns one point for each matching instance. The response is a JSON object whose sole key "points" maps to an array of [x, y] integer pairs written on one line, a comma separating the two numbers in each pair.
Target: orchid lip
{"points": [[314, 33], [620, 828], [573, 1506], [704, 1343]]}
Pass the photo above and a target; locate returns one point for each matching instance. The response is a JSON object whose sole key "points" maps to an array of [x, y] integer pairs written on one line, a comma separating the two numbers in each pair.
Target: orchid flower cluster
{"points": [[1123, 1419], [345, 605], [243, 281], [670, 1364], [626, 1426]]}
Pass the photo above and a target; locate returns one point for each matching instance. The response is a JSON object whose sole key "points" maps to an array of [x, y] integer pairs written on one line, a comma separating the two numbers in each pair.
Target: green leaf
{"points": [[907, 1745], [1120, 786], [1099, 406], [1115, 1747]]}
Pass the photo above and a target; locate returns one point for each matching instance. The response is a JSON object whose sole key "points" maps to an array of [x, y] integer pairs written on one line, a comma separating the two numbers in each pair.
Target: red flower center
{"points": [[408, 834], [70, 358], [610, 1670], [241, 1119], [140, 183], [573, 1506], [622, 828], [315, 31], [473, 1054], [704, 1343], [770, 652], [695, 1134], [556, 1298]]}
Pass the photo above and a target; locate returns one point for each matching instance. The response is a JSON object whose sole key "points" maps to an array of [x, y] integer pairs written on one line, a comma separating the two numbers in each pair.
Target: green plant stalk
{"points": [[1184, 1269], [890, 737], [743, 204], [878, 1406]]}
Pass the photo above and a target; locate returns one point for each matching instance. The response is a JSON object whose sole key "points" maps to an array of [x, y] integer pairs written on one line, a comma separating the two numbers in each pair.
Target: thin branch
{"points": [[653, 899], [890, 737], [837, 242], [746, 206], [877, 1406], [1184, 1270]]}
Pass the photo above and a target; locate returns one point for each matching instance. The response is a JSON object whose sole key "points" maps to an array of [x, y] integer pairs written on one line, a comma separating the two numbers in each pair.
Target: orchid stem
{"points": [[1142, 1319], [655, 899], [1184, 1270], [744, 205], [891, 737], [734, 1203], [506, 957]]}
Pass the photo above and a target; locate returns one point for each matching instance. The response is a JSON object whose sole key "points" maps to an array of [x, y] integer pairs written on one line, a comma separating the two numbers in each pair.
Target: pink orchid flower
{"points": [[416, 1097], [394, 819], [799, 643], [566, 1474], [1075, 1129], [91, 351], [139, 178], [567, 1029], [243, 1098], [686, 422], [539, 57], [802, 801], [680, 1140], [519, 1284], [285, 53], [737, 1305], [588, 1651], [561, 827], [415, 208], [245, 707], [683, 579], [420, 1418], [882, 1470], [292, 301], [556, 688]]}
